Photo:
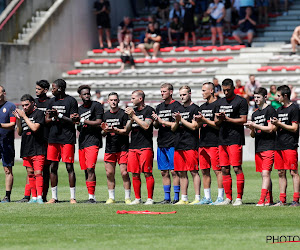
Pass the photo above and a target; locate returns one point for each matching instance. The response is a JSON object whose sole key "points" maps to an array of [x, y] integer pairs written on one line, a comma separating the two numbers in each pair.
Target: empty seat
{"points": [[237, 47], [114, 61], [198, 70], [170, 71], [168, 60], [210, 59], [114, 72], [292, 68], [155, 71], [224, 47], [100, 71], [197, 59], [166, 49], [225, 58], [100, 61], [184, 70], [156, 60], [264, 68], [96, 51], [74, 72], [87, 61], [183, 59], [181, 49], [195, 48], [209, 48], [142, 71], [278, 68], [211, 70]]}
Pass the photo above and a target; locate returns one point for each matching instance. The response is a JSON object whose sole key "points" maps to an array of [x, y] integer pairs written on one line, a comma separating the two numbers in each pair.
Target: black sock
{"points": [[8, 194], [27, 197]]}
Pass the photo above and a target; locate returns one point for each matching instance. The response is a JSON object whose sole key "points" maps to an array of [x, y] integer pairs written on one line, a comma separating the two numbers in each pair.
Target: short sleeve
{"points": [[295, 114], [125, 119], [243, 107], [99, 111], [12, 108], [40, 118], [148, 113], [73, 106], [272, 113]]}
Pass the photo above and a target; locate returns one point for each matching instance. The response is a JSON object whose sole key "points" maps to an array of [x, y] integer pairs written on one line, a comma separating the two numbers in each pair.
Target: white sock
{"points": [[54, 192], [221, 192], [34, 198], [111, 194], [72, 191], [197, 197], [184, 197], [92, 196], [127, 193], [207, 193], [39, 197]]}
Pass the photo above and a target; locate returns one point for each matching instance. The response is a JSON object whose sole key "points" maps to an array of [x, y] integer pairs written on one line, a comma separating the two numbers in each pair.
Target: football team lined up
{"points": [[189, 137]]}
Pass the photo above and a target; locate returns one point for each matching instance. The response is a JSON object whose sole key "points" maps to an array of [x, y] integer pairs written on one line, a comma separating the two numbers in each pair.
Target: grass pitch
{"points": [[92, 226]]}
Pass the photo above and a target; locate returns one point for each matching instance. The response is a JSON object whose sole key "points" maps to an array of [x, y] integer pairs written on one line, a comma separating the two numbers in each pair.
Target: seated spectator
{"points": [[163, 10], [98, 97], [272, 96], [188, 20], [217, 88], [151, 19], [151, 41], [239, 89], [126, 49], [125, 27], [246, 28], [262, 10], [295, 39], [216, 10], [251, 86], [176, 11], [204, 23], [175, 31]]}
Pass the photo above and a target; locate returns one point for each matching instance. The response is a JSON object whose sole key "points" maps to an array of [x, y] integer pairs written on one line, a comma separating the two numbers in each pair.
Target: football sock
{"points": [[167, 190], [207, 193], [240, 181], [39, 197], [269, 197], [282, 197], [72, 191], [34, 198], [27, 190], [227, 184], [150, 186], [263, 194], [184, 197], [176, 192], [127, 193], [221, 192], [8, 194], [32, 183], [197, 197], [111, 194], [136, 182], [54, 193], [39, 184], [91, 196], [91, 186], [296, 197]]}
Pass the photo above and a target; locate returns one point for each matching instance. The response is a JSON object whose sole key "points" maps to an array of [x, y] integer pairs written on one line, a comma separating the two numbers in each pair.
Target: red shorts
{"points": [[140, 161], [286, 159], [264, 160], [36, 162], [231, 155], [64, 151], [120, 157], [88, 157], [186, 160], [209, 157]]}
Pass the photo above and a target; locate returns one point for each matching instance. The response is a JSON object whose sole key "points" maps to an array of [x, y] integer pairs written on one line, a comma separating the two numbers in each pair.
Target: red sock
{"points": [[240, 181], [263, 194], [27, 190], [282, 197], [269, 197], [136, 182], [296, 197], [150, 186], [32, 184], [227, 184], [91, 186], [39, 184]]}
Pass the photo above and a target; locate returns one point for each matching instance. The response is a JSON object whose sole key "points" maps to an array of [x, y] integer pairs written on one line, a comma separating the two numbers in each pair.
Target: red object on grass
{"points": [[143, 212]]}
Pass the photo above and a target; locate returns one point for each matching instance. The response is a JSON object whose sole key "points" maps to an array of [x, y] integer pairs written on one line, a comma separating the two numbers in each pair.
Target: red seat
{"points": [[224, 47], [114, 61], [225, 58], [264, 68], [183, 59], [87, 61], [207, 38], [111, 50], [168, 60], [210, 59], [114, 72], [237, 47], [197, 70], [140, 60], [180, 49], [139, 29], [154, 60], [166, 49], [100, 61], [196, 59], [137, 50], [97, 50], [135, 40], [195, 48], [292, 68], [278, 68], [74, 72], [170, 71], [150, 50], [209, 48]]}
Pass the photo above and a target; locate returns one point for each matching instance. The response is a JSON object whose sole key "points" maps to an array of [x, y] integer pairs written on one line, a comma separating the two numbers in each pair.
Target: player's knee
{"points": [[69, 167], [281, 173], [124, 174], [294, 173], [165, 173]]}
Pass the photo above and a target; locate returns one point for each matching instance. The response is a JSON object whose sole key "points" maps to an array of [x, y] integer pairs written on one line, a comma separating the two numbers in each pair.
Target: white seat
{"points": [[184, 70], [100, 71], [211, 70]]}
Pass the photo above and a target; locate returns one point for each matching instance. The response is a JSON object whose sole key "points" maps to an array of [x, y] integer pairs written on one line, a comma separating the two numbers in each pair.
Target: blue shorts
{"points": [[7, 153], [165, 158]]}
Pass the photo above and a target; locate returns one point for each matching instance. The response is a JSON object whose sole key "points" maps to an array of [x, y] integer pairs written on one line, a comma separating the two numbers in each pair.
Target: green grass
{"points": [[91, 226]]}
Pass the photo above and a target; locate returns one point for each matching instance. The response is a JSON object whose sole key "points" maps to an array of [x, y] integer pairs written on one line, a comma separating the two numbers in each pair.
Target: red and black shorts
{"points": [[88, 157], [57, 151], [209, 157], [186, 160], [231, 155], [140, 161], [286, 159], [264, 160], [119, 157], [36, 162]]}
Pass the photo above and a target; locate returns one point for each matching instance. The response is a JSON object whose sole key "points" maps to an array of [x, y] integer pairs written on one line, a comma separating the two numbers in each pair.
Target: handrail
{"points": [[9, 12]]}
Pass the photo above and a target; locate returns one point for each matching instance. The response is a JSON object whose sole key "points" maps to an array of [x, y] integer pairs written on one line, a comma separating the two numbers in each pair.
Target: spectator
{"points": [[251, 86], [163, 9], [227, 19], [126, 49], [98, 97], [246, 28], [262, 10], [217, 88], [293, 94], [244, 4], [151, 41], [204, 23], [295, 40], [272, 96], [125, 27], [188, 20], [175, 31], [176, 11], [151, 19], [217, 14], [102, 10]]}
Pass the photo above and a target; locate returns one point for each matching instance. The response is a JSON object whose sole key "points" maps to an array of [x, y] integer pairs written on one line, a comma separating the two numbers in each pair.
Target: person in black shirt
{"points": [[117, 143], [163, 119], [287, 138], [188, 20], [175, 30], [90, 140], [125, 28], [140, 156], [30, 122], [62, 135], [230, 117], [264, 133]]}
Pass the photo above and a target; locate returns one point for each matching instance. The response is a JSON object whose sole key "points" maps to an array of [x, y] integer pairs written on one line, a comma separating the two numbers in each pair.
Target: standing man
{"points": [[208, 144], [230, 117], [7, 137], [286, 154], [116, 150], [30, 123], [140, 155], [62, 136], [186, 145], [166, 138], [263, 131], [90, 139]]}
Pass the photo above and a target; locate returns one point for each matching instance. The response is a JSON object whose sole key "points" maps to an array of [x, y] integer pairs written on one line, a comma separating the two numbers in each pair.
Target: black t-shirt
{"points": [[165, 111], [176, 26], [42, 105], [189, 11], [264, 141], [114, 142], [163, 4], [154, 33], [209, 136], [99, 6], [33, 142], [129, 26], [141, 138], [247, 25], [61, 131], [90, 135], [286, 139], [231, 134], [187, 139]]}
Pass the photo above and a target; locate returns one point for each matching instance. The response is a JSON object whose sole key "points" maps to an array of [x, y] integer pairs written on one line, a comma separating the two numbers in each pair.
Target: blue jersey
{"points": [[6, 116]]}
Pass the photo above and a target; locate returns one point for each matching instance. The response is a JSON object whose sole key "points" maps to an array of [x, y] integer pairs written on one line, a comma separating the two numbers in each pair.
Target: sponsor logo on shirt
{"points": [[60, 109], [226, 109]]}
